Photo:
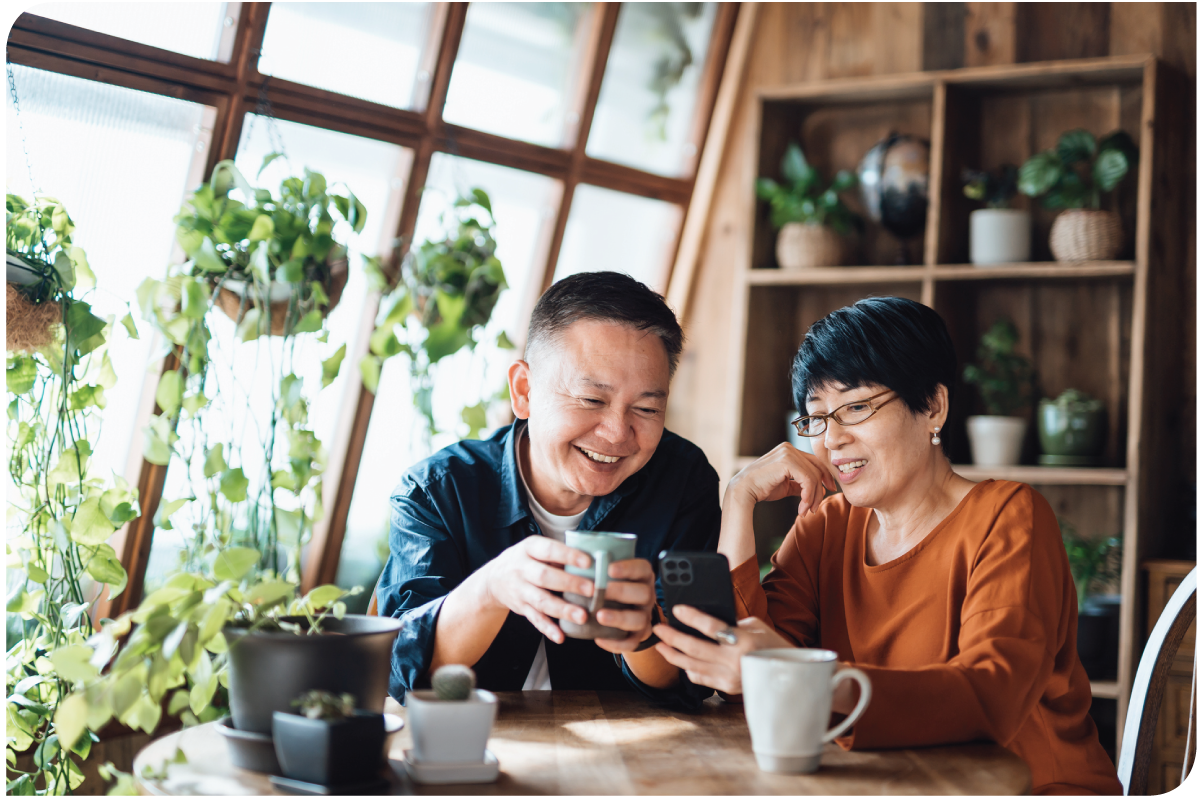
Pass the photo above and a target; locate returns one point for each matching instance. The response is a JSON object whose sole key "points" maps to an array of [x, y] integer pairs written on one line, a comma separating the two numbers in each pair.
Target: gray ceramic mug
{"points": [[604, 549]]}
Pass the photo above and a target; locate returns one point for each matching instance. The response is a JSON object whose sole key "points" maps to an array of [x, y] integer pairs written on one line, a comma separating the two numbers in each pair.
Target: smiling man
{"points": [[477, 552]]}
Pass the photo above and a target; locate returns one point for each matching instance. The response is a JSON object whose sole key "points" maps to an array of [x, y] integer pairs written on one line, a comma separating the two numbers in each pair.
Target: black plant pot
{"points": [[1097, 636], [330, 752], [268, 670]]}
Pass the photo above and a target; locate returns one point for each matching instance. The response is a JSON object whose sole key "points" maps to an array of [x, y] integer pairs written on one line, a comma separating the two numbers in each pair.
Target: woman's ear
{"points": [[518, 388], [939, 406]]}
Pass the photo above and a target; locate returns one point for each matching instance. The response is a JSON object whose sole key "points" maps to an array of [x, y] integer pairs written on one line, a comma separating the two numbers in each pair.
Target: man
{"points": [[477, 552]]}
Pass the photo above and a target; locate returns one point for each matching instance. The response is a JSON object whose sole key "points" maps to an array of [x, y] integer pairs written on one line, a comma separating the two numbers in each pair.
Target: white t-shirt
{"points": [[554, 527]]}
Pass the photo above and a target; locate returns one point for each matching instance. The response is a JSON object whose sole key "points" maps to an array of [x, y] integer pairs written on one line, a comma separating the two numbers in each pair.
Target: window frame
{"points": [[233, 89]]}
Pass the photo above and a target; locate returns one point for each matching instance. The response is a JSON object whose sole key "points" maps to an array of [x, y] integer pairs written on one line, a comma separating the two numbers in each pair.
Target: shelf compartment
{"points": [[1045, 475], [836, 275], [1036, 270]]}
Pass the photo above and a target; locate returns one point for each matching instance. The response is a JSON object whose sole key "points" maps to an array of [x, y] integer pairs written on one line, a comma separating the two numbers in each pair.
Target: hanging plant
{"points": [[442, 300], [58, 370], [274, 266]]}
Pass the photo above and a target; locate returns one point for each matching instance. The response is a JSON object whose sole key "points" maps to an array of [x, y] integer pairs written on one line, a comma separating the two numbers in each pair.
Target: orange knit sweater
{"points": [[969, 635]]}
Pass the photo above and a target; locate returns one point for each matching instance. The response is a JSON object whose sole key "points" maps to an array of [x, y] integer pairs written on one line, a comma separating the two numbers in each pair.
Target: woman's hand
{"points": [[783, 472], [715, 665]]}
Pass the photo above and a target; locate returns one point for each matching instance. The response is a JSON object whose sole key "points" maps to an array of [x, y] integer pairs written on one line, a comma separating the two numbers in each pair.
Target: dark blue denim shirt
{"points": [[458, 509]]}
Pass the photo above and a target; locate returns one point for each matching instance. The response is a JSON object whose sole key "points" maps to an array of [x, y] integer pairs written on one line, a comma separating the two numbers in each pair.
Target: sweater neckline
{"points": [[920, 545]]}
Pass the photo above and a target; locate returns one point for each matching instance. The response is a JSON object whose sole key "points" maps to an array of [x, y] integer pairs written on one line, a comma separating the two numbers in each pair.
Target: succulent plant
{"points": [[324, 705], [453, 683]]}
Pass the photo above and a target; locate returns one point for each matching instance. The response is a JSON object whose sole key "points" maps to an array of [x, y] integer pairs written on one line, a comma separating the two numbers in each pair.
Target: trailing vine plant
{"points": [[439, 304], [242, 316], [60, 512]]}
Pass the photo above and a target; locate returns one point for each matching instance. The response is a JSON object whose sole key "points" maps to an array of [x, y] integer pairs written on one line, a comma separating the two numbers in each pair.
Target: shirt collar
{"points": [[514, 506]]}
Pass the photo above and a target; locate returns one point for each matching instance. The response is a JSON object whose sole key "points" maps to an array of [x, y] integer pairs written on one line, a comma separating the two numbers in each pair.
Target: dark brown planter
{"points": [[330, 752]]}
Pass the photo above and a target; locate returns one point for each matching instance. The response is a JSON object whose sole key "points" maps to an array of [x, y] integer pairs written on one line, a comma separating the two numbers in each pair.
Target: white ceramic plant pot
{"points": [[996, 440], [450, 732], [999, 236]]}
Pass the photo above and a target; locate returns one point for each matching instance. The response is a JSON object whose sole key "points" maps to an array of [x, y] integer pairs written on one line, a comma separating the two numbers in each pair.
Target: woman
{"points": [[954, 597]]}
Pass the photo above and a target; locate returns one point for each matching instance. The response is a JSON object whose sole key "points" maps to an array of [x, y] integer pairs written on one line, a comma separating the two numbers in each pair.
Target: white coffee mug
{"points": [[788, 694]]}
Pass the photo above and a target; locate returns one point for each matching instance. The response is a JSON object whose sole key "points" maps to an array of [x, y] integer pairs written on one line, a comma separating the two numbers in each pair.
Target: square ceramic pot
{"points": [[329, 752], [450, 732]]}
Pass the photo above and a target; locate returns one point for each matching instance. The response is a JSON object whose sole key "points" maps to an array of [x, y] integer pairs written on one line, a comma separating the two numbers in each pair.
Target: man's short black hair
{"points": [[606, 297], [885, 341]]}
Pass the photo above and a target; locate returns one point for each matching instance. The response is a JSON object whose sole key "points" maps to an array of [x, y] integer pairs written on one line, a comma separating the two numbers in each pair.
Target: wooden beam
{"points": [[325, 549], [719, 44], [695, 225], [991, 34], [597, 47]]}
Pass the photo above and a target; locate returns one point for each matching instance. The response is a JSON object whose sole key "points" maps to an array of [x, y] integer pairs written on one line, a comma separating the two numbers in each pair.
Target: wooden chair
{"points": [[373, 605], [1145, 702]]}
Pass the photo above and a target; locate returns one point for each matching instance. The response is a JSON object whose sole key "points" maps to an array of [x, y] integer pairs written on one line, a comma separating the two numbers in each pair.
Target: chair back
{"points": [[373, 605], [1145, 702]]}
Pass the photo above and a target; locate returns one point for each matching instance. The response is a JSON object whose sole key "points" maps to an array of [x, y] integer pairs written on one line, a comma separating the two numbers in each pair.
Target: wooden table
{"points": [[587, 742]]}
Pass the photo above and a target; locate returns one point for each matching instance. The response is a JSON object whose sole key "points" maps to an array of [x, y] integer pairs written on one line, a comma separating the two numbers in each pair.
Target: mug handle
{"points": [[864, 684], [600, 562]]}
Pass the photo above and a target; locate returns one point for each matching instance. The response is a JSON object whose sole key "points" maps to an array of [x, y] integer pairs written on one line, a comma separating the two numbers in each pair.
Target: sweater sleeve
{"points": [[1012, 624]]}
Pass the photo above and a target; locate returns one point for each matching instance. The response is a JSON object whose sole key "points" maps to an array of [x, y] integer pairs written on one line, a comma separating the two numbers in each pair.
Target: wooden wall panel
{"points": [[803, 42]]}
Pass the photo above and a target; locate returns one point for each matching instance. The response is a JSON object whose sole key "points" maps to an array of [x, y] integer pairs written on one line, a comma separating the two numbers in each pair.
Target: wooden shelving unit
{"points": [[1095, 326]]}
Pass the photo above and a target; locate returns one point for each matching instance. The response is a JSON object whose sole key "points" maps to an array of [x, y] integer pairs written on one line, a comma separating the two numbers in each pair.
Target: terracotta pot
{"points": [[230, 300], [801, 246], [1084, 235]]}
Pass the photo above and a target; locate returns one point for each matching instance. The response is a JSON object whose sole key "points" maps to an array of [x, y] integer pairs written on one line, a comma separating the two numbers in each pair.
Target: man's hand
{"points": [[522, 577], [630, 582]]}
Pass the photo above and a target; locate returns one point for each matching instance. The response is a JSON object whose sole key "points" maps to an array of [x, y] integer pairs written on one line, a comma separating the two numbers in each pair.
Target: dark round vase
{"points": [[270, 669]]}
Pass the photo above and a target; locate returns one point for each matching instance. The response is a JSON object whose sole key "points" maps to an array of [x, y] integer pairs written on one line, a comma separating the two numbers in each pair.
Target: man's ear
{"points": [[518, 388]]}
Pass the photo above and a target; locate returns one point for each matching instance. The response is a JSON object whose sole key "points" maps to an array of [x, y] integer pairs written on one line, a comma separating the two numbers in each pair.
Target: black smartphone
{"points": [[700, 580]]}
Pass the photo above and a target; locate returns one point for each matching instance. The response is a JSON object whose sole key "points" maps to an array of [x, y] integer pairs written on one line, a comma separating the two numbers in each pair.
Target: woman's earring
{"points": [[935, 441]]}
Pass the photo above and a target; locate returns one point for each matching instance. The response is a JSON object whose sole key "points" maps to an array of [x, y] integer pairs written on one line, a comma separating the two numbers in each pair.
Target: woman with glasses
{"points": [[954, 597]]}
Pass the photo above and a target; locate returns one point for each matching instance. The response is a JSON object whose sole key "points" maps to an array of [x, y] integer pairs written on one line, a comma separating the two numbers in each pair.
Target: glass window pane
{"points": [[195, 29], [371, 51], [120, 161], [514, 67], [524, 204], [242, 374], [644, 116], [608, 230]]}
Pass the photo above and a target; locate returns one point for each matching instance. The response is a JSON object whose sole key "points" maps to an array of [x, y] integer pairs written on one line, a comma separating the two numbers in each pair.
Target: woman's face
{"points": [[877, 460]]}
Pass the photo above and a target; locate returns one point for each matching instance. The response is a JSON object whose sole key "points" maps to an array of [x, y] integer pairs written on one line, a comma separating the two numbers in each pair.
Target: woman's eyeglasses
{"points": [[851, 413]]}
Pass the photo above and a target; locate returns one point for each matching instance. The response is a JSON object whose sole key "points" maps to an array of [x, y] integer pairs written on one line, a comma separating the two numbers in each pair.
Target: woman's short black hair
{"points": [[884, 341]]}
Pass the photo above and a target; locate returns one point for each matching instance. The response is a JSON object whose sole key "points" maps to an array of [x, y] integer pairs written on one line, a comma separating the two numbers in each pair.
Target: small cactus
{"points": [[453, 683]]}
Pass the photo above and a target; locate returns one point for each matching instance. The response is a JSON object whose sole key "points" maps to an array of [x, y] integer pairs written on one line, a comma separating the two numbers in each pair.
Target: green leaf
{"points": [[475, 417], [373, 269], [1039, 174], [71, 719], [234, 485], [503, 341], [192, 403], [266, 162], [90, 525], [371, 366], [130, 325], [105, 567], [292, 271], [194, 298], [234, 562], [73, 664], [262, 229], [384, 342], [36, 573], [767, 189], [214, 461], [332, 365], [162, 517], [85, 277], [843, 181], [318, 293], [207, 258], [21, 374], [481, 198], [795, 168], [156, 441], [1110, 169], [310, 323], [1075, 146], [87, 397], [322, 596], [251, 326], [170, 392]]}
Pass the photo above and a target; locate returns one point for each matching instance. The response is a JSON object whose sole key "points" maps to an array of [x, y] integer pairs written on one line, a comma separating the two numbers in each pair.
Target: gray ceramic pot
{"points": [[268, 670]]}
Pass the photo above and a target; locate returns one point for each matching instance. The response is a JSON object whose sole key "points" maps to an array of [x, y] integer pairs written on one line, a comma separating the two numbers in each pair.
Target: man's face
{"points": [[596, 400]]}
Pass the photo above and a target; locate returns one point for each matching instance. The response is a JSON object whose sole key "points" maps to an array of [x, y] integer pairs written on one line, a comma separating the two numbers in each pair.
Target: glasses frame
{"points": [[833, 414]]}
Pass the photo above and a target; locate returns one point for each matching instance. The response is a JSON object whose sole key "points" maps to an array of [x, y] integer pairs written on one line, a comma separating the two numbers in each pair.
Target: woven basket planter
{"points": [[231, 302], [1083, 235], [802, 246]]}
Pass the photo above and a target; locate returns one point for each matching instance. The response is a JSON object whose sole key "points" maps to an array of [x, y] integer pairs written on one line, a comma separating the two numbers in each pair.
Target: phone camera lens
{"points": [[685, 565], [669, 565], [685, 578]]}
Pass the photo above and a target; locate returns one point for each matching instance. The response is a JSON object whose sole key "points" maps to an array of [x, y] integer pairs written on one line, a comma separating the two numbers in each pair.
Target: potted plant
{"points": [[272, 259], [1000, 234], [1072, 176], [60, 512], [1095, 562], [451, 723], [438, 302], [1004, 380], [1071, 429], [809, 213], [329, 742]]}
